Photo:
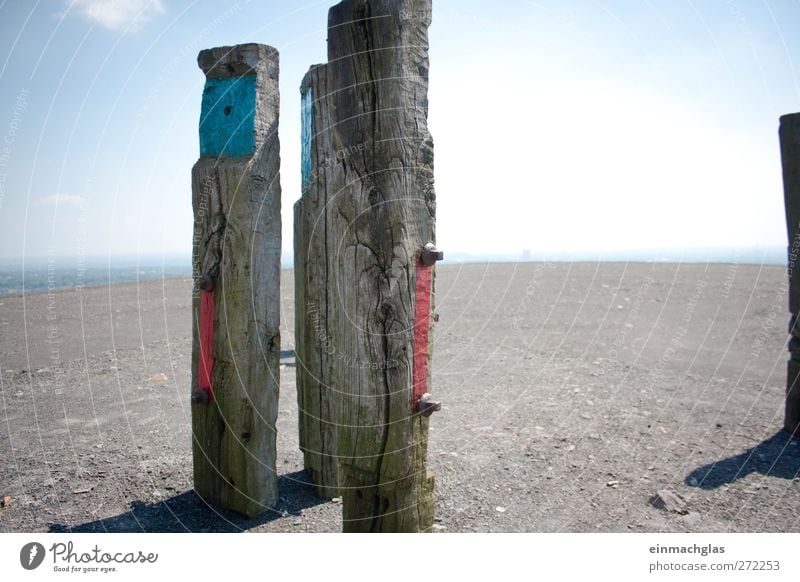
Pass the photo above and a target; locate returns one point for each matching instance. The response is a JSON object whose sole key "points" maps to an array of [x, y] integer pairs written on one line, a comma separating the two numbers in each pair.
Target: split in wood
{"points": [[427, 405], [430, 254]]}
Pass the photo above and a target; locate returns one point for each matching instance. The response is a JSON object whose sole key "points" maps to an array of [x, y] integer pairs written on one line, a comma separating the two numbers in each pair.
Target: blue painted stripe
{"points": [[306, 135], [227, 117]]}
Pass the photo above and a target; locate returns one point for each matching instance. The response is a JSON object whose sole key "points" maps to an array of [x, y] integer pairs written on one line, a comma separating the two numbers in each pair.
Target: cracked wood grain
{"points": [[380, 212]]}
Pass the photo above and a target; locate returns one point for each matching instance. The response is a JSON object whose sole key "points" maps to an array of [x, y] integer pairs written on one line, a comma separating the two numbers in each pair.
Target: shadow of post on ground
{"points": [[777, 456], [187, 512]]}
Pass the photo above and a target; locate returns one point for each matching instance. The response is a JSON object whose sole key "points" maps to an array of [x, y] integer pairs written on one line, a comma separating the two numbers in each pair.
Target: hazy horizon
{"points": [[749, 255]]}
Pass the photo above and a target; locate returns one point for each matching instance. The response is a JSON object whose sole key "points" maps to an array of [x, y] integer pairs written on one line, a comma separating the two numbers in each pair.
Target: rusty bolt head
{"points": [[206, 283], [427, 405], [200, 397], [430, 254]]}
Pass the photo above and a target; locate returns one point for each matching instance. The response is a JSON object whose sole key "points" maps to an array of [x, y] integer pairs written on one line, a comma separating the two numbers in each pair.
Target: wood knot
{"points": [[386, 312], [374, 197]]}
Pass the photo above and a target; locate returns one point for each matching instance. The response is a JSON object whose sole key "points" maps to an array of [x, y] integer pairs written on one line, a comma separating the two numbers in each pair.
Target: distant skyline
{"points": [[559, 126]]}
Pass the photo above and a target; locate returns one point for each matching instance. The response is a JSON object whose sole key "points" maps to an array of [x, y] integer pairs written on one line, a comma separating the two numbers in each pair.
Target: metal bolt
{"points": [[206, 283], [200, 397], [427, 405], [430, 254]]}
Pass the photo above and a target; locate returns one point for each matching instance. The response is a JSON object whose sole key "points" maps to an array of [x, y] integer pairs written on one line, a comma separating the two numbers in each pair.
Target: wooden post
{"points": [[790, 156], [236, 261], [316, 395], [380, 215]]}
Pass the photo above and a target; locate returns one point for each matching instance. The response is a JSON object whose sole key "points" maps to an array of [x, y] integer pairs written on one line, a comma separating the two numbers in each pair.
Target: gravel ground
{"points": [[573, 394]]}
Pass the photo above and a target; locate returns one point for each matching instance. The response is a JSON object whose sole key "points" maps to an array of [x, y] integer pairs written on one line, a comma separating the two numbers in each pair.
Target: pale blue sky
{"points": [[558, 125]]}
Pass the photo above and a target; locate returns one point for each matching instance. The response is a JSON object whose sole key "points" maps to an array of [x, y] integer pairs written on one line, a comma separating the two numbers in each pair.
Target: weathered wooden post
{"points": [[380, 215], [236, 261], [790, 156], [316, 396]]}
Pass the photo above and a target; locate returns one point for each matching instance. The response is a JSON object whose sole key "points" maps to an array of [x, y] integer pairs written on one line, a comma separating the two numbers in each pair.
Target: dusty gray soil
{"points": [[572, 394]]}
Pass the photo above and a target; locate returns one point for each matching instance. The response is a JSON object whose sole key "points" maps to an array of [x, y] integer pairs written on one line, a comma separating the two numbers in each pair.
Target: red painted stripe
{"points": [[206, 360], [422, 326]]}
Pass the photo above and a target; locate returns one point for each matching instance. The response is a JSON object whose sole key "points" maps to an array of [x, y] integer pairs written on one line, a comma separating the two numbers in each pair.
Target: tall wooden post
{"points": [[316, 393], [790, 156], [381, 215], [237, 240]]}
